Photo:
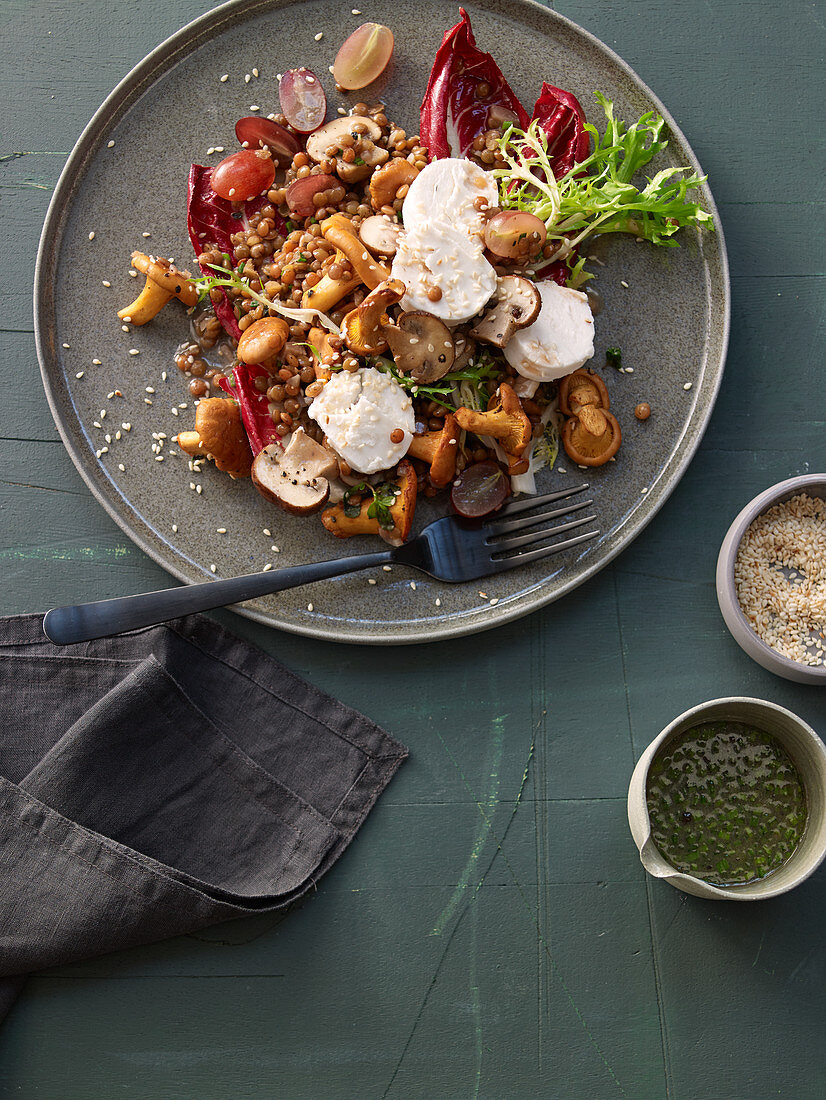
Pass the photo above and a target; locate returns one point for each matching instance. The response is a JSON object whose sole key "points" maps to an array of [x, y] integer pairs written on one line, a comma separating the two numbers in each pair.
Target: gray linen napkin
{"points": [[163, 780]]}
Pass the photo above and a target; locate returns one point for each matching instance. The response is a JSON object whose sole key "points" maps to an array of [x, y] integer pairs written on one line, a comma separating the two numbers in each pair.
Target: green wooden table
{"points": [[491, 933]]}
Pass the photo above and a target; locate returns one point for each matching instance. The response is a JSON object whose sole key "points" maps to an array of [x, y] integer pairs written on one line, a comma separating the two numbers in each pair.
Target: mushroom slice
{"points": [[325, 144], [517, 306], [362, 327], [422, 346], [380, 234], [219, 434], [298, 477]]}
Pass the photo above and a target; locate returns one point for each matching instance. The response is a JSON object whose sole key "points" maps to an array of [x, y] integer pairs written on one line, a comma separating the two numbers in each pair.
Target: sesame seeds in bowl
{"points": [[771, 579]]}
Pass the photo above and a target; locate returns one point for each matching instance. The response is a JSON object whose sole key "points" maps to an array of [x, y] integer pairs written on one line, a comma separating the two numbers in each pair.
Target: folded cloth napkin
{"points": [[163, 780]]}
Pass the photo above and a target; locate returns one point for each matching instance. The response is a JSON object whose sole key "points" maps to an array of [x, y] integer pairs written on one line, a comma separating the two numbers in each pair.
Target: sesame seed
{"points": [[66, 345], [159, 458], [92, 235], [254, 107], [225, 78], [219, 148], [277, 549], [121, 467], [213, 568], [268, 532], [110, 144], [149, 389], [127, 427], [147, 400], [319, 36], [356, 11], [687, 386], [413, 585], [80, 374], [164, 376], [255, 72], [644, 491], [96, 362], [174, 412], [386, 568], [438, 602], [95, 424], [102, 413], [175, 528], [267, 567], [309, 607], [125, 328], [146, 234], [371, 580], [199, 489], [221, 530], [341, 110], [105, 282], [247, 78], [623, 283]]}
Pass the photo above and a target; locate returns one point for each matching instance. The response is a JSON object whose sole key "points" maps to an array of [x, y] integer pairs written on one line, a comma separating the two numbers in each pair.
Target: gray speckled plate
{"points": [[668, 309]]}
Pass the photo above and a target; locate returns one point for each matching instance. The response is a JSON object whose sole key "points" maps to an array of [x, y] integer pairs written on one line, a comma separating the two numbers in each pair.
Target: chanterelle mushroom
{"points": [[517, 305], [163, 282], [219, 434], [404, 488], [581, 388], [439, 448], [592, 437], [422, 346], [362, 327], [505, 421], [297, 477]]}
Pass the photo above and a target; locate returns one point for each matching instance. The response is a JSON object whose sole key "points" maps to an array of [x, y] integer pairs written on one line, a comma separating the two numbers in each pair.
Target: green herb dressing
{"points": [[726, 803]]}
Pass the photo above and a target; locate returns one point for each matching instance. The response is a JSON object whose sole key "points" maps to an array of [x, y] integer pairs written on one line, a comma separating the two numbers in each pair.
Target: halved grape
{"points": [[302, 99], [263, 133], [300, 193], [515, 235], [479, 490], [242, 176], [363, 56]]}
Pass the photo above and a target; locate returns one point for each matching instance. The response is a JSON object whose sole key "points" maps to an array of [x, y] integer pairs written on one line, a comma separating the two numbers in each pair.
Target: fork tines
{"points": [[500, 548]]}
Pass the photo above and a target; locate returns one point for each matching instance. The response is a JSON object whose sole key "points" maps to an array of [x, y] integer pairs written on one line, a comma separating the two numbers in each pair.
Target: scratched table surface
{"points": [[491, 932]]}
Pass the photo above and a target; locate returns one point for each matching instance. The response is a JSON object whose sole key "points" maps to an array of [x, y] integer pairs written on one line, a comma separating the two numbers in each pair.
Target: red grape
{"points": [[263, 133], [300, 193], [302, 99], [515, 235], [363, 56], [480, 489], [242, 176]]}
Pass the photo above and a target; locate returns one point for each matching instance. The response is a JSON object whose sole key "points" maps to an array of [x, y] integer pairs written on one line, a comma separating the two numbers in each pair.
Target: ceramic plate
{"points": [[667, 309]]}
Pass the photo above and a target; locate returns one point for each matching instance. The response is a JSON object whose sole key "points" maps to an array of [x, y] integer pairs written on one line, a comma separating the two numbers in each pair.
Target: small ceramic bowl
{"points": [[814, 485], [808, 754]]}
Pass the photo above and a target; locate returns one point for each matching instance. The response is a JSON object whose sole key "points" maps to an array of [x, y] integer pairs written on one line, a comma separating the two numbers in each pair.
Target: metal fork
{"points": [[449, 549]]}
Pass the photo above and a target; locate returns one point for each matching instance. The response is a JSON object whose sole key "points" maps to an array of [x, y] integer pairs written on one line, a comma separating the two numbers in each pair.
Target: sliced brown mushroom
{"points": [[219, 434], [465, 349], [380, 234], [296, 477], [328, 138], [422, 346], [517, 305], [163, 282], [439, 449], [581, 388], [362, 328], [343, 526], [592, 437]]}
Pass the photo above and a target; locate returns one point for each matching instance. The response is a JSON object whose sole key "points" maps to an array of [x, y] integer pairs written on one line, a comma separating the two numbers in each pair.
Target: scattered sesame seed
{"points": [[199, 489], [125, 328], [687, 386], [127, 427], [371, 580], [108, 438], [386, 568], [268, 532], [95, 424], [494, 601], [133, 274], [174, 412], [147, 400], [254, 107], [247, 78], [66, 345], [106, 282], [438, 602], [356, 11], [102, 413], [221, 530], [319, 36], [121, 467], [623, 283], [213, 568], [255, 72], [149, 389], [110, 144], [643, 491], [628, 370], [159, 458], [277, 549], [309, 607], [146, 234], [330, 69], [225, 78], [80, 374], [92, 235], [164, 376], [413, 585], [267, 567], [104, 450], [175, 528], [341, 111]]}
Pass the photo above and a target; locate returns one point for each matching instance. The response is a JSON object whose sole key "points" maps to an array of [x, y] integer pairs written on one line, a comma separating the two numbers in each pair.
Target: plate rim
{"points": [[463, 624]]}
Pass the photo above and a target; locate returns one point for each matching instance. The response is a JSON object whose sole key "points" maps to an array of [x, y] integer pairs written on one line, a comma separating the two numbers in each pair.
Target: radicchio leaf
{"points": [[254, 406], [453, 113], [211, 222], [559, 114]]}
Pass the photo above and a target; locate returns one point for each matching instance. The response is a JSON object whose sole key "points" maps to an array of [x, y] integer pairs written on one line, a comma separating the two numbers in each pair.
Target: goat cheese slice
{"points": [[358, 412], [442, 247], [559, 341]]}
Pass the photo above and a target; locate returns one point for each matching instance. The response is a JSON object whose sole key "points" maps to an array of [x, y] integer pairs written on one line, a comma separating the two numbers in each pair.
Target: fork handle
{"points": [[82, 623]]}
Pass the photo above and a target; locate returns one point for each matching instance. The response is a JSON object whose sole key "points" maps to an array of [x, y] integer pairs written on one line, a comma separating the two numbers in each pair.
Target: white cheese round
{"points": [[560, 340], [442, 245], [358, 412]]}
